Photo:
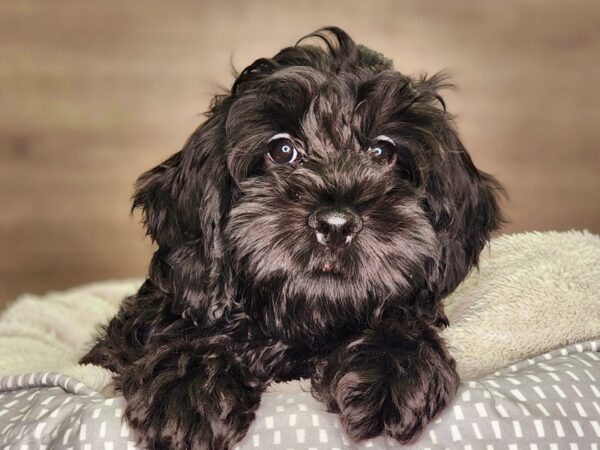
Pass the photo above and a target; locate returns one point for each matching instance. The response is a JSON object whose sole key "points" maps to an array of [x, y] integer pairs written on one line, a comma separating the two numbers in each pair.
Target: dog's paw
{"points": [[178, 401], [392, 380]]}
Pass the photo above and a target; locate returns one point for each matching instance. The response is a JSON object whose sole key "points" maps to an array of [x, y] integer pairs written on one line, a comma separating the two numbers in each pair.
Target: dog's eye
{"points": [[383, 149], [282, 150]]}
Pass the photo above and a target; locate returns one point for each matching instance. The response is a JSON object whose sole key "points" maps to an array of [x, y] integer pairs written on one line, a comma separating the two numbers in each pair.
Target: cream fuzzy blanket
{"points": [[533, 292]]}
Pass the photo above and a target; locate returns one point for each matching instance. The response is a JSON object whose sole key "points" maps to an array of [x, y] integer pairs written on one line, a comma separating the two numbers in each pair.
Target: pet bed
{"points": [[524, 332]]}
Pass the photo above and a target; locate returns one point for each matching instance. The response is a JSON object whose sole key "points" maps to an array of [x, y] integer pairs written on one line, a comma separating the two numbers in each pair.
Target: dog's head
{"points": [[325, 185]]}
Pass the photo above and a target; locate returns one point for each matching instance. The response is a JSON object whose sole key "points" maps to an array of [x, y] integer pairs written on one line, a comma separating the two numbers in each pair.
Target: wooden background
{"points": [[92, 93]]}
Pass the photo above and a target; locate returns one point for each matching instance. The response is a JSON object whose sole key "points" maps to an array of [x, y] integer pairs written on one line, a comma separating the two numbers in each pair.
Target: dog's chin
{"points": [[334, 275]]}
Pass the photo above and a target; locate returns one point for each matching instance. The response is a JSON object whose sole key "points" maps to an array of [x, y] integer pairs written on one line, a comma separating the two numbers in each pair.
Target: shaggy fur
{"points": [[332, 266]]}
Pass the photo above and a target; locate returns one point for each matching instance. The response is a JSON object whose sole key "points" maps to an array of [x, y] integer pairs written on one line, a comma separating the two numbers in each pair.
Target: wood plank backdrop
{"points": [[92, 93]]}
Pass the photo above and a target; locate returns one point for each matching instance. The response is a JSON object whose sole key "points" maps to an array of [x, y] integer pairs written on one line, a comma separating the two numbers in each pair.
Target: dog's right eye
{"points": [[282, 150]]}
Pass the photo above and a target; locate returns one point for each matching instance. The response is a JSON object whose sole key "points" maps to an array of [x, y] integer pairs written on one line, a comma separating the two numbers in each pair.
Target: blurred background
{"points": [[92, 93]]}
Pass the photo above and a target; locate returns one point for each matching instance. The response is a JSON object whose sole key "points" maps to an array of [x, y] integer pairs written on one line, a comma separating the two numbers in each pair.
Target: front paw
{"points": [[177, 401], [393, 380]]}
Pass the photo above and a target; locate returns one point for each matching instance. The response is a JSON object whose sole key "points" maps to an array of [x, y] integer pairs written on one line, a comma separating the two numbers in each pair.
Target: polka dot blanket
{"points": [[548, 402]]}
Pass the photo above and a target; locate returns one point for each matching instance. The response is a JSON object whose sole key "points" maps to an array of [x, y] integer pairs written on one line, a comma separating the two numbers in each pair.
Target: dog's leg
{"points": [[188, 394], [393, 378]]}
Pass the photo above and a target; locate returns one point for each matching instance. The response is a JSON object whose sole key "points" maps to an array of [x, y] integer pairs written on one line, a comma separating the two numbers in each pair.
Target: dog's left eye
{"points": [[383, 149], [282, 150]]}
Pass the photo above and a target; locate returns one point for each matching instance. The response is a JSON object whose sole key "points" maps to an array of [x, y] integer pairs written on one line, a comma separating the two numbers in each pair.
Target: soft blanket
{"points": [[533, 292]]}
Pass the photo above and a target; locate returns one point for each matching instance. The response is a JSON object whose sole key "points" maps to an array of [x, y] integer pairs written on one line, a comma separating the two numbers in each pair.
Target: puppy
{"points": [[309, 228]]}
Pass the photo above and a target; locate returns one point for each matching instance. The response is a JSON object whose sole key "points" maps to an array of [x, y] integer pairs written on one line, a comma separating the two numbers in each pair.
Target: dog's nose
{"points": [[334, 227]]}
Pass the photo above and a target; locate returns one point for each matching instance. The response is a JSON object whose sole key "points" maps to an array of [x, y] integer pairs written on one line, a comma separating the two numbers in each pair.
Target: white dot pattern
{"points": [[545, 402], [551, 401], [49, 410]]}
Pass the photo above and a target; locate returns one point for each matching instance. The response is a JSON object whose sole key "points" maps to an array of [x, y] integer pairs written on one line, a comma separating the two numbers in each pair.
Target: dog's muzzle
{"points": [[335, 227]]}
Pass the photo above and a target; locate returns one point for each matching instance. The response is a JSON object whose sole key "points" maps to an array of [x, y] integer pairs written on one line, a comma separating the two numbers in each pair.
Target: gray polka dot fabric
{"points": [[548, 402], [52, 411]]}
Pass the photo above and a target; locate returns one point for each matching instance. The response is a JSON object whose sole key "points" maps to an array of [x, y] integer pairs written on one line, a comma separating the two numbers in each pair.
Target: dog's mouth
{"points": [[330, 266]]}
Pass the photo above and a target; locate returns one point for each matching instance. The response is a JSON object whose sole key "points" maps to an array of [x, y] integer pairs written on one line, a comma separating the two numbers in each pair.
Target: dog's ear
{"points": [[184, 203], [463, 205], [155, 194]]}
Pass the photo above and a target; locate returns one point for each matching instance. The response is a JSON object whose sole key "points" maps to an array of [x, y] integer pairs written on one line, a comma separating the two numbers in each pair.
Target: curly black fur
{"points": [[241, 292]]}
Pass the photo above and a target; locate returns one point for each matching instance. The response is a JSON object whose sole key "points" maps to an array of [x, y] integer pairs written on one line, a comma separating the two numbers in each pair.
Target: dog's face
{"points": [[325, 186], [329, 207]]}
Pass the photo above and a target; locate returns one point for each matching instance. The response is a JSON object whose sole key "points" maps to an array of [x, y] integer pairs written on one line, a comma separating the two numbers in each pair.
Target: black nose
{"points": [[334, 227]]}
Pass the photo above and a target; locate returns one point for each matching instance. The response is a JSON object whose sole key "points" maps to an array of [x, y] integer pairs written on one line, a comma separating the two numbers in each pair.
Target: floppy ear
{"points": [[184, 203], [155, 194], [463, 204]]}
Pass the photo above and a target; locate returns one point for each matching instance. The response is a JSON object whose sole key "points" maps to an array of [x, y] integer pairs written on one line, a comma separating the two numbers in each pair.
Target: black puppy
{"points": [[310, 227]]}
